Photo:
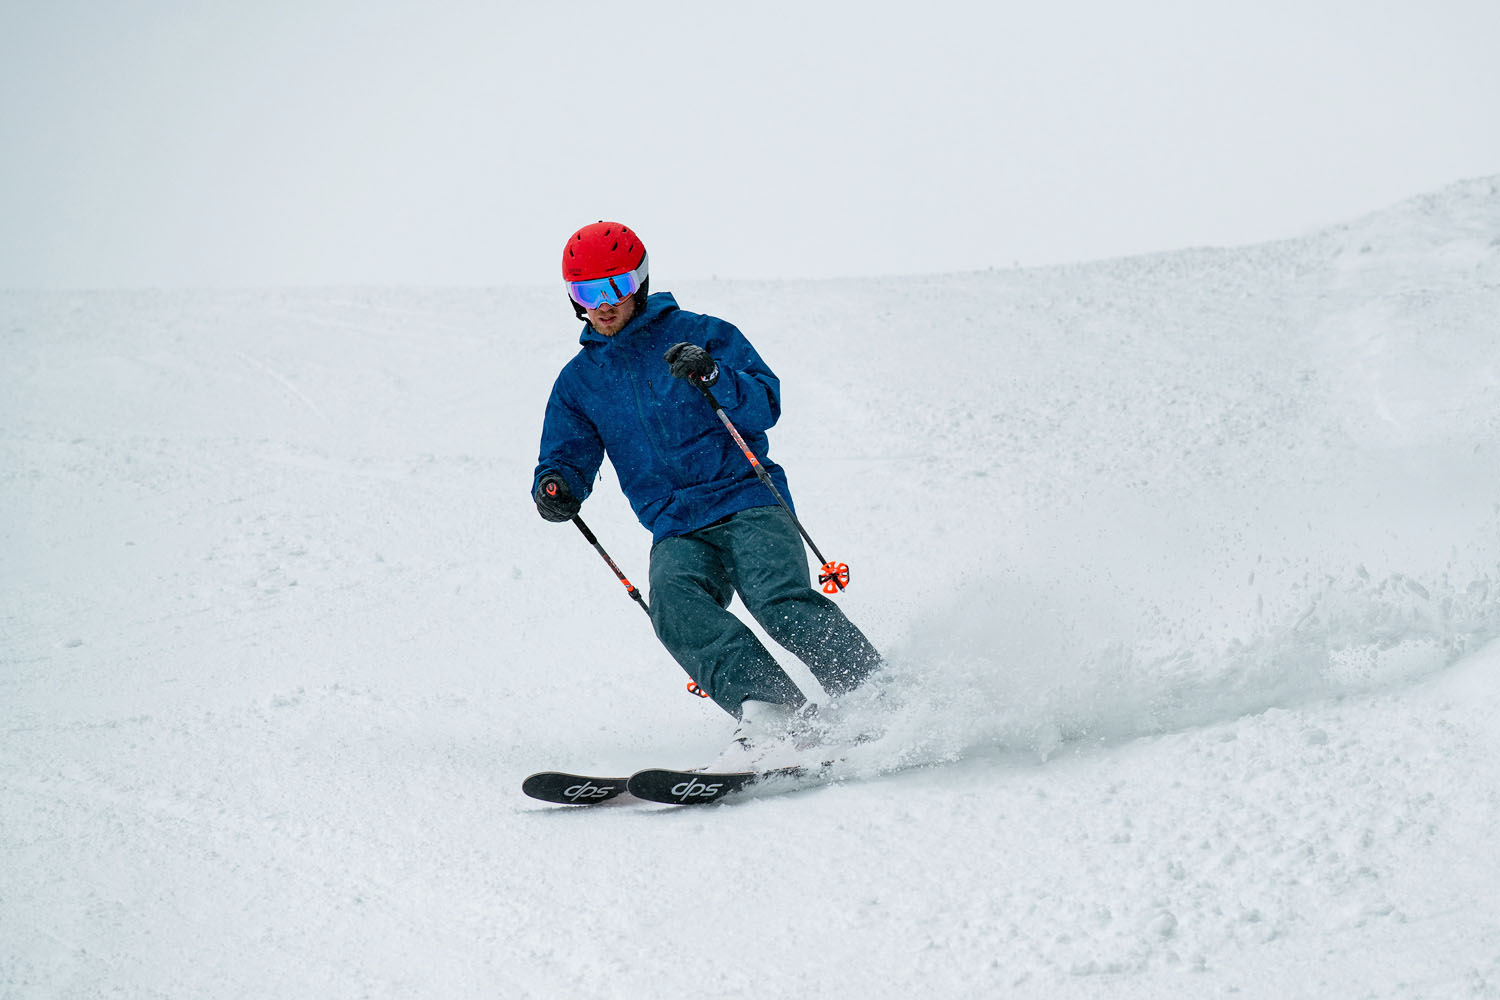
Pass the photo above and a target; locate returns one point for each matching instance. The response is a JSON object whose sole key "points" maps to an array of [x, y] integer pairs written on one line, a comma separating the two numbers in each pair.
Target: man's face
{"points": [[608, 319]]}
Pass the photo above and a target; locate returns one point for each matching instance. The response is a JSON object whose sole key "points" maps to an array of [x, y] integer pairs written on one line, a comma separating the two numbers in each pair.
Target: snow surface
{"points": [[1188, 567]]}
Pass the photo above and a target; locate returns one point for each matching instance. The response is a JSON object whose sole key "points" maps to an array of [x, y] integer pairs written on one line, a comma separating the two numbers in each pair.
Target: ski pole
{"points": [[636, 594], [692, 686], [833, 576]]}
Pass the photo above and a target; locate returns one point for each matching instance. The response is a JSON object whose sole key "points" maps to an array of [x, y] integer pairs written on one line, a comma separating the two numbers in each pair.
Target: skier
{"points": [[716, 529]]}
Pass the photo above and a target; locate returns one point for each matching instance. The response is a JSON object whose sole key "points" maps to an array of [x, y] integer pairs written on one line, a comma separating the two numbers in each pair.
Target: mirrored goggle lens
{"points": [[594, 293]]}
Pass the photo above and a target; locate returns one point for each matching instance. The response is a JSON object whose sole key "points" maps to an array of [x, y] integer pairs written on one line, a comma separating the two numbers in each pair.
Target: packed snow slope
{"points": [[1187, 567]]}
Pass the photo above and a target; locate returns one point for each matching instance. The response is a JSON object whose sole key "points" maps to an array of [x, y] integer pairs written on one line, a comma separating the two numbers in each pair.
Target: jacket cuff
{"points": [[727, 389]]}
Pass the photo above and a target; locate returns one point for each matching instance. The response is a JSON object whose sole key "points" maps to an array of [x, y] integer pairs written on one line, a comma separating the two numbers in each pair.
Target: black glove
{"points": [[693, 363], [554, 501]]}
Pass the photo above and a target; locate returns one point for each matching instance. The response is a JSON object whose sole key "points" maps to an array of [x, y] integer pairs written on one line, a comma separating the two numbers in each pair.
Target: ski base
{"points": [[563, 788]]}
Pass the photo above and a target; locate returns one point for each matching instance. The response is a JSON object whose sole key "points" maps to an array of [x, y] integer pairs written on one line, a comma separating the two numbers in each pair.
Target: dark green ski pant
{"points": [[758, 554]]}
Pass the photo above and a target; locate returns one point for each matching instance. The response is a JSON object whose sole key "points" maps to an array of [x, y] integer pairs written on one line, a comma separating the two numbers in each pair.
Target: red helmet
{"points": [[601, 250]]}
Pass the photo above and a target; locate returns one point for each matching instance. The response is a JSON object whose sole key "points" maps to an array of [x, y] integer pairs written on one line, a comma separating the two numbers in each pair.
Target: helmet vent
{"points": [[601, 250]]}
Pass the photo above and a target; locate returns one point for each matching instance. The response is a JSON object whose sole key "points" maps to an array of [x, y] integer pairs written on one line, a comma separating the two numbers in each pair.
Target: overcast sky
{"points": [[291, 142]]}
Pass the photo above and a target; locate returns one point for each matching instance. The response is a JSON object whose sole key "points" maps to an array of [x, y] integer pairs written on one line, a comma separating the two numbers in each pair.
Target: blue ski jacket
{"points": [[676, 462]]}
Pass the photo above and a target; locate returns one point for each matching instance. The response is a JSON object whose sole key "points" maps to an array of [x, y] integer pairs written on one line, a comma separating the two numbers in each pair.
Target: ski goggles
{"points": [[615, 289]]}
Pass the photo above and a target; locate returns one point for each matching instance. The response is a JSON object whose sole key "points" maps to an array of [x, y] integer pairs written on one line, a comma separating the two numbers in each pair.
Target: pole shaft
{"points": [[589, 535], [763, 475]]}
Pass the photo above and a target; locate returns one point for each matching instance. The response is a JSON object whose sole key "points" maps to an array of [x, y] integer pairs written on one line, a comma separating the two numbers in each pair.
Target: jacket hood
{"points": [[657, 304]]}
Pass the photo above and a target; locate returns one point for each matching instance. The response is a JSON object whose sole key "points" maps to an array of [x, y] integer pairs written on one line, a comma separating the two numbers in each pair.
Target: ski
{"points": [[665, 785], [693, 788], [566, 789]]}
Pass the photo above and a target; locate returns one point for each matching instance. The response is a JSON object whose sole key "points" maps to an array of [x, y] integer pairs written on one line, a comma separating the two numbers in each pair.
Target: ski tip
{"points": [[563, 788]]}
